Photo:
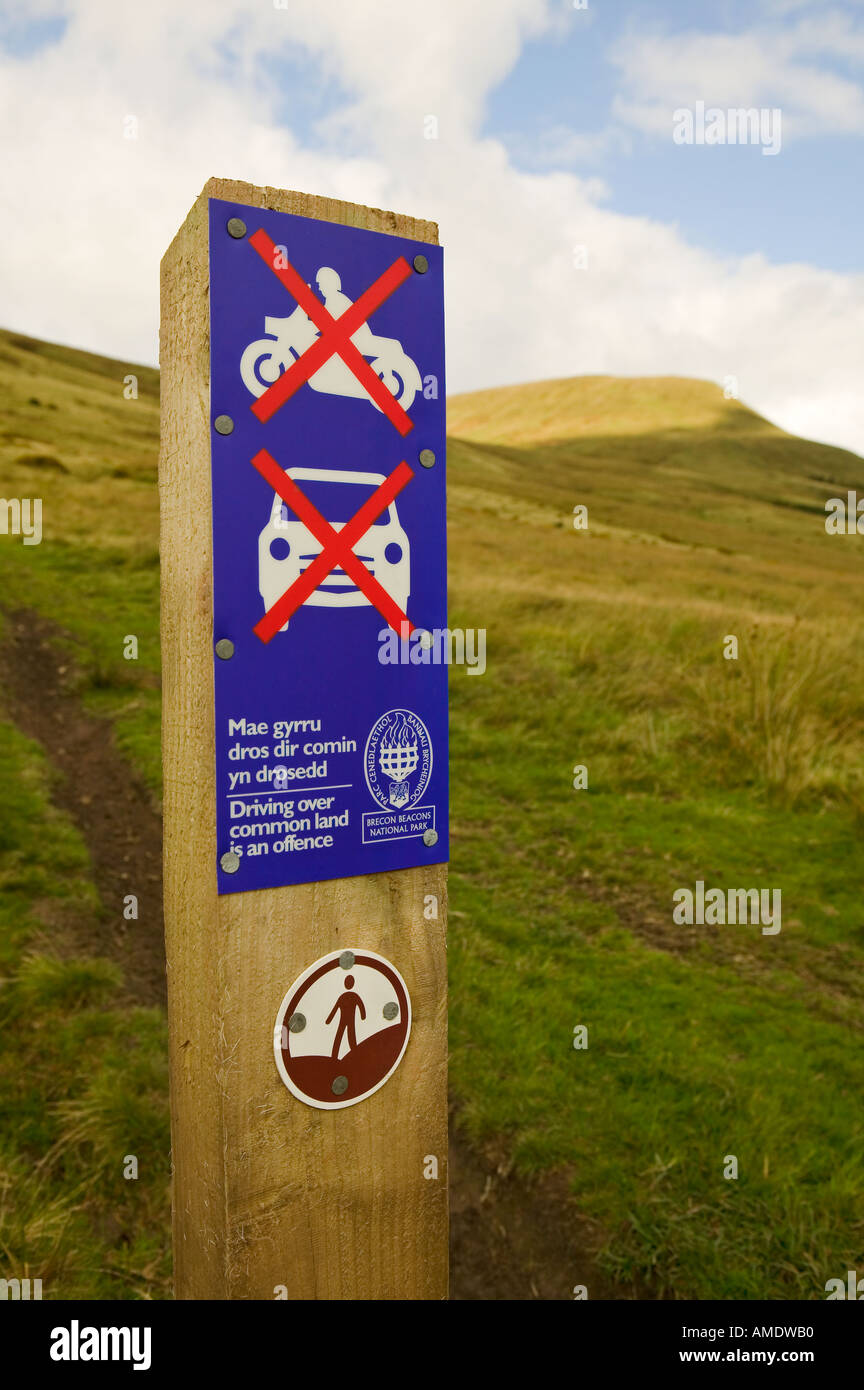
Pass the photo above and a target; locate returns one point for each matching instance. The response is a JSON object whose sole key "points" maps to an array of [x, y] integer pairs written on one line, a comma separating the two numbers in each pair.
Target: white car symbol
{"points": [[286, 546]]}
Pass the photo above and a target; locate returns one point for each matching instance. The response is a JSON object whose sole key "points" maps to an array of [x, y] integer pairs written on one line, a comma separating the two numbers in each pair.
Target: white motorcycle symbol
{"points": [[265, 359]]}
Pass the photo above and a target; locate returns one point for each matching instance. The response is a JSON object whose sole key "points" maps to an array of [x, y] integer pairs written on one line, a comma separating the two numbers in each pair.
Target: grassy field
{"points": [[605, 650]]}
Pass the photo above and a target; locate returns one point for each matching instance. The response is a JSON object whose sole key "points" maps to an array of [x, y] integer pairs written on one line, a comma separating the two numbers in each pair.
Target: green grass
{"points": [[82, 1077], [605, 648]]}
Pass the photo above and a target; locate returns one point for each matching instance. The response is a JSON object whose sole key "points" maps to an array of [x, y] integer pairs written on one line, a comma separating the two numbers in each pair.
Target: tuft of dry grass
{"points": [[787, 712]]}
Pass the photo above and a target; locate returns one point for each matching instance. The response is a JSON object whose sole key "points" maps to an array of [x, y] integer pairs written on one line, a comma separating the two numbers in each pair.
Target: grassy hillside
{"points": [[605, 650]]}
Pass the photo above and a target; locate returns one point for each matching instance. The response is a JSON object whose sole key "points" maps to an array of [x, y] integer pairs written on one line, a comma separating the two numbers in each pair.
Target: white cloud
{"points": [[561, 147], [88, 214], [404, 60], [770, 65]]}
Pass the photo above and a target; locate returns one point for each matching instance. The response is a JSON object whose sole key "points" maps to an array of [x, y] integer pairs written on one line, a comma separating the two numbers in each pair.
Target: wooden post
{"points": [[270, 1194]]}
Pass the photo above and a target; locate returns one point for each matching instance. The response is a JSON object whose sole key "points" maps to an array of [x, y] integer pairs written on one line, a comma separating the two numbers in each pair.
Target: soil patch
{"points": [[95, 786]]}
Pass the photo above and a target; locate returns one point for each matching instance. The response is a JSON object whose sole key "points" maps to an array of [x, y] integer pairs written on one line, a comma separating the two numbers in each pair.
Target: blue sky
{"points": [[22, 34], [555, 130], [807, 204]]}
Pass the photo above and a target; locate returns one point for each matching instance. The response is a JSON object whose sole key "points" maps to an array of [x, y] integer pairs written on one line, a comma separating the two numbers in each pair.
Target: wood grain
{"points": [[269, 1192]]}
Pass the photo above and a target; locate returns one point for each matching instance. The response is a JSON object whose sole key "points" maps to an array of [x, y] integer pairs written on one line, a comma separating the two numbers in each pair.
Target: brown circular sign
{"points": [[342, 1029]]}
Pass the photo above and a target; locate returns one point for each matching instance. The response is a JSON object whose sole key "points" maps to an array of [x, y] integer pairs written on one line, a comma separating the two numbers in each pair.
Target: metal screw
{"points": [[390, 1010], [223, 424], [430, 837], [339, 1085], [230, 862], [236, 227], [421, 265], [427, 458], [225, 648], [296, 1023], [346, 960]]}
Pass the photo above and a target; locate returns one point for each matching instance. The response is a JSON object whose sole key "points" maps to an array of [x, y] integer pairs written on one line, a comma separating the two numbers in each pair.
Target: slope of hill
{"points": [[605, 651]]}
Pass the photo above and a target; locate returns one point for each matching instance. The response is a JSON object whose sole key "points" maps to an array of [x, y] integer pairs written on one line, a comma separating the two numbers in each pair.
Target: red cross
{"points": [[337, 548], [336, 335]]}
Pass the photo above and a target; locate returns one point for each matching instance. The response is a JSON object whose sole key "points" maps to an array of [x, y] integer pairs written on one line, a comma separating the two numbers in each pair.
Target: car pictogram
{"points": [[286, 546]]}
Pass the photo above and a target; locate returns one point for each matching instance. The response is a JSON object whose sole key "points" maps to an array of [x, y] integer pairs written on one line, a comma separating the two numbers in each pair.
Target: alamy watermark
{"points": [[738, 125], [22, 516], [718, 906], [77, 1343], [437, 646], [845, 515], [19, 1290], [853, 1287]]}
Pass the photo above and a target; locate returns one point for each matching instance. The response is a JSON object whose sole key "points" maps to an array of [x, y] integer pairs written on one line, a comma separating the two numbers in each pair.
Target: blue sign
{"points": [[327, 414]]}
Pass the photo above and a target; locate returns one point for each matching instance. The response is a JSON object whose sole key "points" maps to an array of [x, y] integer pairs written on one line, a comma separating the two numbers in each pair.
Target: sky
{"points": [[580, 235]]}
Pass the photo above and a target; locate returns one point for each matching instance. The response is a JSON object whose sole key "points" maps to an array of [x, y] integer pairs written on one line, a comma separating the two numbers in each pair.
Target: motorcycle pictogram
{"points": [[286, 339]]}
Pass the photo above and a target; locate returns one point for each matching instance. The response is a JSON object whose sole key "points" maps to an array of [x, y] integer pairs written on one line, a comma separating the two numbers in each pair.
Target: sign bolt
{"points": [[430, 837], [230, 862], [427, 458], [390, 1010], [225, 648], [296, 1023], [223, 424], [340, 1085], [421, 265], [236, 227], [346, 960]]}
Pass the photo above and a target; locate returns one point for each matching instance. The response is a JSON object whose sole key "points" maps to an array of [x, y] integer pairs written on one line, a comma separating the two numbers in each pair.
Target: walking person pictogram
{"points": [[346, 1006], [353, 1000]]}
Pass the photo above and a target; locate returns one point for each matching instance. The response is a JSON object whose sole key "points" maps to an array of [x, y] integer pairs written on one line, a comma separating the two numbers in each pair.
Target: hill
{"points": [[605, 651]]}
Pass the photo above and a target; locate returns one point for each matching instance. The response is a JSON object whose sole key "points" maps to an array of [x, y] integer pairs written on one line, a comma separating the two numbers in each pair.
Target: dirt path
{"points": [[96, 788], [509, 1239]]}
